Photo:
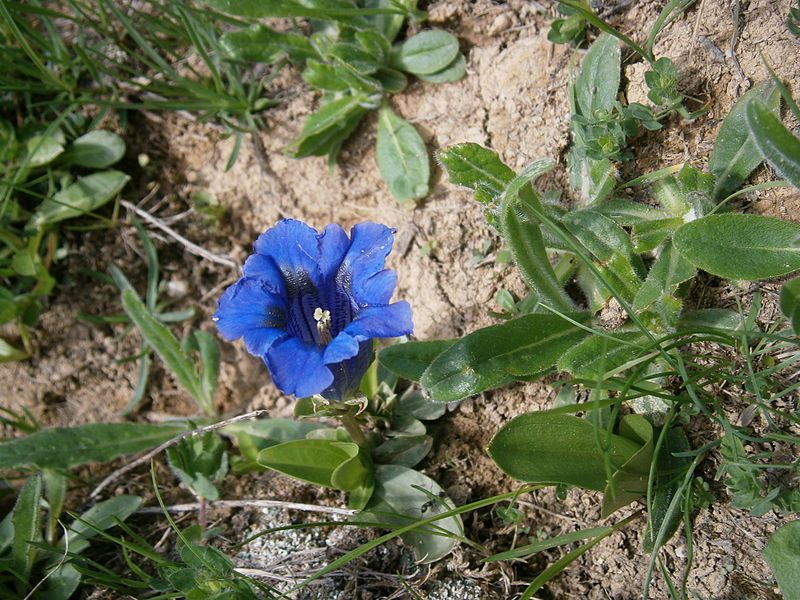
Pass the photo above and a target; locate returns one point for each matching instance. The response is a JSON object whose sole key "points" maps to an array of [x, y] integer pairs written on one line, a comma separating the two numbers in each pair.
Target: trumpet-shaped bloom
{"points": [[310, 304]]}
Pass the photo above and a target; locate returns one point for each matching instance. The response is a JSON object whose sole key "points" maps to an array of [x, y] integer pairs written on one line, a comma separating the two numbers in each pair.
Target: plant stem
{"points": [[354, 430]]}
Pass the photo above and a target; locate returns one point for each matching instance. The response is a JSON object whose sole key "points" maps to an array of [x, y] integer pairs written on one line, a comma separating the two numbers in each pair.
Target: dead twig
{"points": [[145, 458], [190, 246], [252, 503]]}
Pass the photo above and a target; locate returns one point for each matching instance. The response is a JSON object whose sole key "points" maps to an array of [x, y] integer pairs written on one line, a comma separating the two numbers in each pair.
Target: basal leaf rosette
{"points": [[310, 304]]}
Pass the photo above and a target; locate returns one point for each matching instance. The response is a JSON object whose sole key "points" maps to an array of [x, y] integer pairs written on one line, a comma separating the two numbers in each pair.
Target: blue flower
{"points": [[310, 304]]}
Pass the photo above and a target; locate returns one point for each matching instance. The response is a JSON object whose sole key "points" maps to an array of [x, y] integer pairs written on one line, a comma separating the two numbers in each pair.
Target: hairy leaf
{"points": [[402, 157], [737, 246], [776, 143], [95, 442], [735, 155], [496, 355]]}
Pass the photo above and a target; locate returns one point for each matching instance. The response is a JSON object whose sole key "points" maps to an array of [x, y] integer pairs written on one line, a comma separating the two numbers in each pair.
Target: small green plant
{"points": [[640, 258], [350, 58], [198, 572], [157, 55], [51, 173], [36, 560]]}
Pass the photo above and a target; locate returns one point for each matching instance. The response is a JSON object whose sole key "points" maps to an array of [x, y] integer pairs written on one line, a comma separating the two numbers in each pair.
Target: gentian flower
{"points": [[310, 304]]}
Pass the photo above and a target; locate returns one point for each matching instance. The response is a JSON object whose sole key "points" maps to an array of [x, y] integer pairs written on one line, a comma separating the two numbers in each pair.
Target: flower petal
{"points": [[294, 246], [249, 309], [388, 321], [333, 247], [370, 245], [379, 288], [342, 347], [297, 368]]}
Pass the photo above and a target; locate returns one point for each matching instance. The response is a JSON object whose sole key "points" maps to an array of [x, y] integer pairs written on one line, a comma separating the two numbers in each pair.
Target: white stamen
{"points": [[323, 319]]}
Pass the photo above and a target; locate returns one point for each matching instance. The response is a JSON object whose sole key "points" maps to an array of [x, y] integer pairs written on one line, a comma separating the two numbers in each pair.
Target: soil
{"points": [[514, 99]]}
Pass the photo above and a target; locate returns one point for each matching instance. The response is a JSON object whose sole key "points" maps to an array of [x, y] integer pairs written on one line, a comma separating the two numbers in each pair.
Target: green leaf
{"points": [[398, 501], [523, 235], [9, 353], [328, 127], [392, 81], [273, 431], [85, 195], [735, 246], [314, 461], [627, 213], [497, 355], [96, 150], [712, 318], [775, 142], [648, 235], [596, 356], [669, 473], [199, 462], [478, 169], [414, 404], [96, 442], [259, 43], [782, 554], [452, 72], [410, 360], [629, 482], [597, 84], [670, 270], [735, 155], [26, 518], [101, 516], [406, 450], [42, 150], [324, 77], [402, 157], [390, 25], [165, 344], [611, 246], [427, 52], [540, 447], [322, 10], [790, 302], [553, 542], [209, 362]]}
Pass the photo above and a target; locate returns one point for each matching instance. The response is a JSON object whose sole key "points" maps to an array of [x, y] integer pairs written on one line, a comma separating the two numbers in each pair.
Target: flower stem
{"points": [[354, 430]]}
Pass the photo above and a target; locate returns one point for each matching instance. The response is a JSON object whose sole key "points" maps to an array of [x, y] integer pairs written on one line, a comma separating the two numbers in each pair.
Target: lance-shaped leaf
{"points": [[610, 245], [95, 442], [497, 355], [84, 196], [168, 348], [410, 360], [522, 233], [96, 150], [26, 519], [735, 154], [667, 273], [598, 82], [735, 246], [478, 169], [259, 43], [776, 143], [596, 356]]}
